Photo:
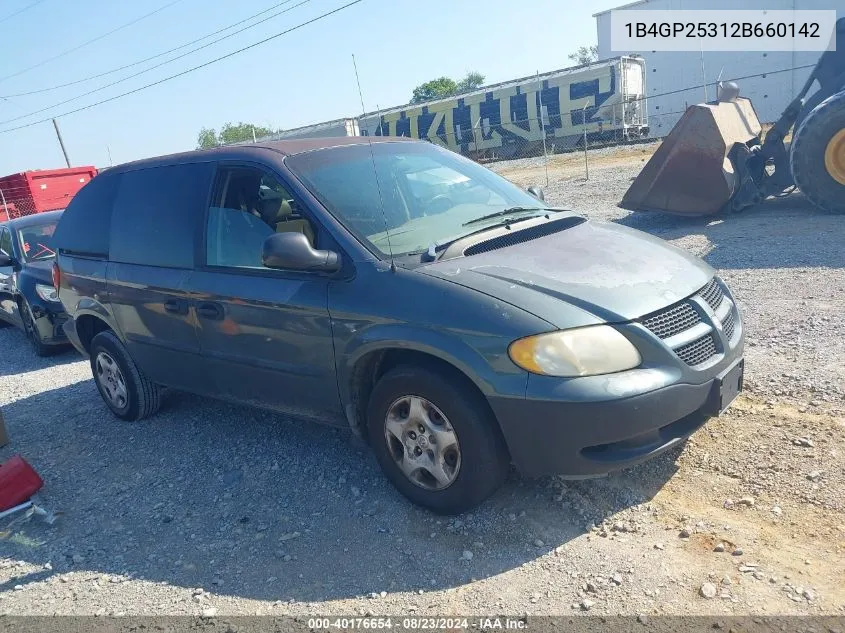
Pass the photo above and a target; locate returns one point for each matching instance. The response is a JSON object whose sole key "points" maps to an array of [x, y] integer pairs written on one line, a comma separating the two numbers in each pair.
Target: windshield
{"points": [[428, 193], [36, 241]]}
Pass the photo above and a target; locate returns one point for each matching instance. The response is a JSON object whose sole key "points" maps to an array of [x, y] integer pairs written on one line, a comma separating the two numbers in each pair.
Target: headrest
{"points": [[274, 210]]}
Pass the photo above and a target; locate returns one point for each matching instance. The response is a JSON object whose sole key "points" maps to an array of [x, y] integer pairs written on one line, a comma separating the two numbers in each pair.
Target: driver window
{"points": [[247, 206]]}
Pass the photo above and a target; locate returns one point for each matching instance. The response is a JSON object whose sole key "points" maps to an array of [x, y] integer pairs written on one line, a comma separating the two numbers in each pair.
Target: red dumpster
{"points": [[41, 190]]}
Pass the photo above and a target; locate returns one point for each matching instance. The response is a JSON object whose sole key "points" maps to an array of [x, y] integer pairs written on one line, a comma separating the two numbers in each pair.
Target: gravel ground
{"points": [[210, 508]]}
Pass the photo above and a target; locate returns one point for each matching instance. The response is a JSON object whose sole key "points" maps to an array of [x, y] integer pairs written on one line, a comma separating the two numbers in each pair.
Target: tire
{"points": [[31, 331], [824, 126], [141, 398], [476, 466]]}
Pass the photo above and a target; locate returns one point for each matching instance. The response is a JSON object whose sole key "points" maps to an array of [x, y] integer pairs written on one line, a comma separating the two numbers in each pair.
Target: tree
{"points": [[238, 132], [231, 133], [207, 138], [472, 81], [585, 54], [435, 89], [443, 87]]}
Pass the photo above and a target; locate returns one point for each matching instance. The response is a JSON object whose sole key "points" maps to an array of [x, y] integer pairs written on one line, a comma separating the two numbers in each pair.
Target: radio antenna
{"points": [[375, 170]]}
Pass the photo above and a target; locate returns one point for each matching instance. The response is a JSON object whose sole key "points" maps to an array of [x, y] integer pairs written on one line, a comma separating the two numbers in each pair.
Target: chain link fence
{"points": [[15, 201]]}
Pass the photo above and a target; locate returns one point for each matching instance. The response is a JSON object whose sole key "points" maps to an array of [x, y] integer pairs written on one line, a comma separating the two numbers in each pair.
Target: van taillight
{"points": [[57, 276]]}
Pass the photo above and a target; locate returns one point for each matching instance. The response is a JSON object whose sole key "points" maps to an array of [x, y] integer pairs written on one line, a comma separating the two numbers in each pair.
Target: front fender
{"points": [[483, 359], [407, 310]]}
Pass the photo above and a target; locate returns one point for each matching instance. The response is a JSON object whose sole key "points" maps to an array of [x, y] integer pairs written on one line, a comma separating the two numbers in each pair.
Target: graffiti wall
{"points": [[511, 115]]}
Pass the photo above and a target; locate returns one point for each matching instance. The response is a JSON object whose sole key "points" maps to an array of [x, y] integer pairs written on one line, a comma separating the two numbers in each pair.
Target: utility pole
{"points": [[111, 163], [61, 142]]}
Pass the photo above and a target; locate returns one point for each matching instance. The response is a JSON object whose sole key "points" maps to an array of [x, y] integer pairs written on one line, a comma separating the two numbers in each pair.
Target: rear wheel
{"points": [[124, 387], [817, 154], [435, 440]]}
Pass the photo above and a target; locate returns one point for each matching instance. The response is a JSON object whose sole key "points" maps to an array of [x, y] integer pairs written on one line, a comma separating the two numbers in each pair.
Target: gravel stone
{"points": [[708, 590]]}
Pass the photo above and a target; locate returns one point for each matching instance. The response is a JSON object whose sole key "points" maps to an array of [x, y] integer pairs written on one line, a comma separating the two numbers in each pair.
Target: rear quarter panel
{"points": [[83, 287]]}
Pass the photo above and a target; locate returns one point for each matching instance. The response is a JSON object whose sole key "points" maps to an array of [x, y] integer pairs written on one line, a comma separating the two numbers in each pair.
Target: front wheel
{"points": [[817, 154], [125, 389], [31, 330], [436, 442]]}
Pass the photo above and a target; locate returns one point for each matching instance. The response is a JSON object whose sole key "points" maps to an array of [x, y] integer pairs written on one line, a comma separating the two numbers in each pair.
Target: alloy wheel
{"points": [[422, 442], [110, 379]]}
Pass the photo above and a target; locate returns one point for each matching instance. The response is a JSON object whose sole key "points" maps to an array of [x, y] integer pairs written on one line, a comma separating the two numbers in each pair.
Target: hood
{"points": [[40, 270], [591, 273]]}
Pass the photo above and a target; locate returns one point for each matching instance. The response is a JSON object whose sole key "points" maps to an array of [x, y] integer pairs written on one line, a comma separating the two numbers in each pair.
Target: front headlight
{"points": [[586, 351], [48, 293]]}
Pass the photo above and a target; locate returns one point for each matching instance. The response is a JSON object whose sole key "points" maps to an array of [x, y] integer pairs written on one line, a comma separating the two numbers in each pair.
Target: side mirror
{"points": [[293, 251], [5, 260], [537, 192]]}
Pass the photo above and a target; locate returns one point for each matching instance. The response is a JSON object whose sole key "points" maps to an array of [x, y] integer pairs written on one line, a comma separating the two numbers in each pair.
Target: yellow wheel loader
{"points": [[715, 159]]}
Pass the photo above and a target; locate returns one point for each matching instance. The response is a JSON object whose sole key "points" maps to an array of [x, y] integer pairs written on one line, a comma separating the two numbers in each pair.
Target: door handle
{"points": [[175, 306], [212, 311]]}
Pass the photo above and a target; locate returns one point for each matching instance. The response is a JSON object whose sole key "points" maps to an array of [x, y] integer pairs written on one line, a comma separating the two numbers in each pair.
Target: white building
{"points": [[769, 91]]}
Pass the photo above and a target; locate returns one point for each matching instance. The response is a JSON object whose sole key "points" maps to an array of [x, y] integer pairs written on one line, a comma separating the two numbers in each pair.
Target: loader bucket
{"points": [[690, 173]]}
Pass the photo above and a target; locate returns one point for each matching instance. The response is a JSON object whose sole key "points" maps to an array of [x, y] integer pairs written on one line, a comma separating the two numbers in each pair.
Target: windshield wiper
{"points": [[508, 211]]}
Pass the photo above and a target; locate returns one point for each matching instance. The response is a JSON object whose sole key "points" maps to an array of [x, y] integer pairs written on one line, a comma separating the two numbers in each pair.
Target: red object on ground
{"points": [[41, 190], [18, 482]]}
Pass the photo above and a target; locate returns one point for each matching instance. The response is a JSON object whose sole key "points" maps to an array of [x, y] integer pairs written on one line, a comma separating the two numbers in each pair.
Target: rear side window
{"points": [[157, 213], [85, 224]]}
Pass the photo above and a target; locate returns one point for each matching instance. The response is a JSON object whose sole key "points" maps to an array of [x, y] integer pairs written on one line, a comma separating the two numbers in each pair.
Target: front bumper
{"points": [[590, 439], [589, 426], [49, 321]]}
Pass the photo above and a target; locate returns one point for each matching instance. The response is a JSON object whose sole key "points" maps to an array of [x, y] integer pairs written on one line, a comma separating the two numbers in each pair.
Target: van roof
{"points": [[247, 152]]}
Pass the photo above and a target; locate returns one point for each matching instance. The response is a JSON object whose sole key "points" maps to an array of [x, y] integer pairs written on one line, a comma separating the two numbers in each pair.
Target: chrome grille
{"points": [[672, 321], [712, 294], [728, 325], [699, 351]]}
